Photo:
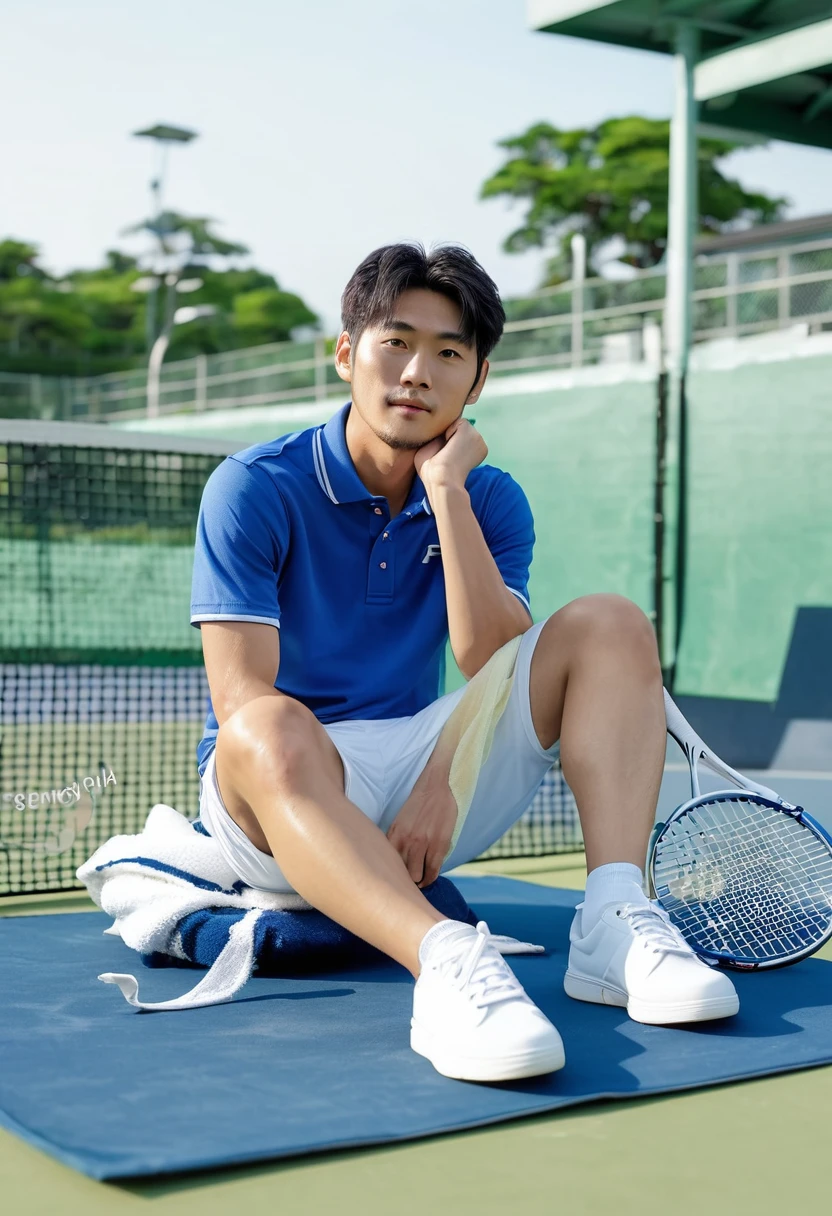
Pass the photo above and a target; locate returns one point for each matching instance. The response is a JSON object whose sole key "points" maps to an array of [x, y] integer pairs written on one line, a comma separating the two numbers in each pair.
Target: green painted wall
{"points": [[760, 505]]}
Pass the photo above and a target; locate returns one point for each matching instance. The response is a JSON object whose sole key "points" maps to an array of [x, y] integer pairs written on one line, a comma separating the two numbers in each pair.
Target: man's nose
{"points": [[416, 372]]}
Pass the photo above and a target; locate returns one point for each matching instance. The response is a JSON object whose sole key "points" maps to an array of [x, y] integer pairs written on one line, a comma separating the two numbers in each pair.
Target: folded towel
{"points": [[176, 901]]}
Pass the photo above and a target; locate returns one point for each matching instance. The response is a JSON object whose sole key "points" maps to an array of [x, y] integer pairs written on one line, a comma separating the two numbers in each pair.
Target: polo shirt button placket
{"points": [[381, 573]]}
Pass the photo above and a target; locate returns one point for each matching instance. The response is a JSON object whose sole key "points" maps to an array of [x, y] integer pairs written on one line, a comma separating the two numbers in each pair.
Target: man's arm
{"points": [[482, 613], [241, 661], [482, 616]]}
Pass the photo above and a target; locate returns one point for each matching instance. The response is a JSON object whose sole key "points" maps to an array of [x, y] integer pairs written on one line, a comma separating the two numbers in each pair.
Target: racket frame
{"points": [[696, 751]]}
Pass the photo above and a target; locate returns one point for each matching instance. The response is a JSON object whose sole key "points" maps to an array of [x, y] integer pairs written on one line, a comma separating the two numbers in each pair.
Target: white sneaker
{"points": [[473, 1019], [634, 956]]}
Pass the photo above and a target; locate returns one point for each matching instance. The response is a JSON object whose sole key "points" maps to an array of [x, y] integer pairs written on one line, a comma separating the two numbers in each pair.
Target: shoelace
{"points": [[469, 961], [653, 924]]}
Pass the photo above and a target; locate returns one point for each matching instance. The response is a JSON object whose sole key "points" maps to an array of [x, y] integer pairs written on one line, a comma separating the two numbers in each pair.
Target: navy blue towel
{"points": [[293, 942], [289, 942]]}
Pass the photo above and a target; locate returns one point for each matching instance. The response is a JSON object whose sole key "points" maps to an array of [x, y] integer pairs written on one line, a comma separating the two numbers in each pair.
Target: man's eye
{"points": [[455, 353], [395, 340]]}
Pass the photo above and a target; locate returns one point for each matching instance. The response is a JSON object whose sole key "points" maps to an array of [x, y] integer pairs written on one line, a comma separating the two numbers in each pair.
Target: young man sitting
{"points": [[331, 567]]}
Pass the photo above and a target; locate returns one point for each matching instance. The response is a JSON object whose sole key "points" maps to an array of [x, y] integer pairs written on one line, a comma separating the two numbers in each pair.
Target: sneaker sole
{"points": [[652, 1013], [511, 1067]]}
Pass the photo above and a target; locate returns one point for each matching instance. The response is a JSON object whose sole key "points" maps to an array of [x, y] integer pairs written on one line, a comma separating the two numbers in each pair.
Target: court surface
{"points": [[750, 1146]]}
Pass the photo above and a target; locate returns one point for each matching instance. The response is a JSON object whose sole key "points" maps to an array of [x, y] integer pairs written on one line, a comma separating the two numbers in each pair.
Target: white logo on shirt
{"points": [[431, 551]]}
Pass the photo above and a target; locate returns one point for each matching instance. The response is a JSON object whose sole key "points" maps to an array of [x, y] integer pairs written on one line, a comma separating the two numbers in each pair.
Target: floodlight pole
{"points": [[682, 206], [154, 372], [160, 346], [682, 221], [163, 135], [173, 316], [156, 186], [578, 245], [156, 192]]}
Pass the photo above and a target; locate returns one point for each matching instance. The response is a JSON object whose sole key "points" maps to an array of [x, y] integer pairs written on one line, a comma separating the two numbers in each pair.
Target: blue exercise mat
{"points": [[298, 1065]]}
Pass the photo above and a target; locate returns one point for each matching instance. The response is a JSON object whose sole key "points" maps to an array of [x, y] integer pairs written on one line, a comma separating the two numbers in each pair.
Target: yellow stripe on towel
{"points": [[471, 726]]}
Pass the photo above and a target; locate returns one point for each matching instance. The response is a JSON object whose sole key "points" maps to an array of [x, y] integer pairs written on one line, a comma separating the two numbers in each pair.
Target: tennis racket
{"points": [[745, 876]]}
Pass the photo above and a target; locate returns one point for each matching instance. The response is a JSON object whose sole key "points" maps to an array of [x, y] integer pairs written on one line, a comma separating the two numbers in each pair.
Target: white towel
{"points": [[149, 882]]}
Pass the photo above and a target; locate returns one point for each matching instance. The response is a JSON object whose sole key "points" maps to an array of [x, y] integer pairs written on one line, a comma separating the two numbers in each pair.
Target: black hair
{"points": [[371, 294]]}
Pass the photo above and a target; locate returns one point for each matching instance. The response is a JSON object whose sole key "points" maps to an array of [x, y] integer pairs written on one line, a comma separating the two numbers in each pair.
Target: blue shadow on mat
{"points": [[302, 1064]]}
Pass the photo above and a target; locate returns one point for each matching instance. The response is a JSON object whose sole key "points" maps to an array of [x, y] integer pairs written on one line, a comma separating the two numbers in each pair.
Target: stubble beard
{"points": [[398, 442]]}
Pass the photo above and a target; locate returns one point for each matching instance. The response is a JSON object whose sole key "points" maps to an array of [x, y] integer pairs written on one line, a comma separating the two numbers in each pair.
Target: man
{"points": [[332, 565]]}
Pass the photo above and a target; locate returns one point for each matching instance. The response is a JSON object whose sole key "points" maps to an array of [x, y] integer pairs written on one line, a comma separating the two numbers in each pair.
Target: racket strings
{"points": [[740, 878]]}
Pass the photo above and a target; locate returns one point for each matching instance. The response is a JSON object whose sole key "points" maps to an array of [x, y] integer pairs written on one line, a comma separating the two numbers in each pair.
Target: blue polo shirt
{"points": [[288, 535]]}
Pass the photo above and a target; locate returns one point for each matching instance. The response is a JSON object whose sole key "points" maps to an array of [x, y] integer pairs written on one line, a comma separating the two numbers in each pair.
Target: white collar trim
{"points": [[320, 466]]}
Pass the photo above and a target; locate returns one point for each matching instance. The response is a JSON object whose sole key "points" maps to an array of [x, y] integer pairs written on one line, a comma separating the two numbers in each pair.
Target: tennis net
{"points": [[103, 691]]}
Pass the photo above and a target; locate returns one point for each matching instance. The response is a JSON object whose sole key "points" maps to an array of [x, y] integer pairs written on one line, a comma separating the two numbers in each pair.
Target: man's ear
{"points": [[343, 354], [478, 387]]}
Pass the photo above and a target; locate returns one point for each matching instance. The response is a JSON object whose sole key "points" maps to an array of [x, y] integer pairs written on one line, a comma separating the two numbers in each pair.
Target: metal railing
{"points": [[572, 325]]}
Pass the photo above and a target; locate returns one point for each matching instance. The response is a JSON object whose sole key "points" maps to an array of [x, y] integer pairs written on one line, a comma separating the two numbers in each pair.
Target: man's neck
{"points": [[386, 472]]}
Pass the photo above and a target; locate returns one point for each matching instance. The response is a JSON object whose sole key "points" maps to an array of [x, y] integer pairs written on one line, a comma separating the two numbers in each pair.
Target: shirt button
{"points": [[378, 511], [386, 535], [383, 565]]}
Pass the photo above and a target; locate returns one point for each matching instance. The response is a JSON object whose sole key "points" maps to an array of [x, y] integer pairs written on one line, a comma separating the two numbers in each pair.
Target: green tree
{"points": [[92, 321], [187, 236], [252, 310], [268, 315], [611, 181], [18, 259], [35, 316], [115, 312]]}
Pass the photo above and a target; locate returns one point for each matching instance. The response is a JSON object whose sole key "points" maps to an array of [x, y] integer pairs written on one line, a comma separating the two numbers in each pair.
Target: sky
{"points": [[325, 129]]}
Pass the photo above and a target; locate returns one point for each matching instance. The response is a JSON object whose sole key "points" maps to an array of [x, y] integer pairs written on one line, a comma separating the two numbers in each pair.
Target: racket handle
{"points": [[696, 749]]}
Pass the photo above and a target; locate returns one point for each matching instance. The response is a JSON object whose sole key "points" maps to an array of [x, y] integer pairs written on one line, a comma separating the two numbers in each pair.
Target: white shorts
{"points": [[382, 762]]}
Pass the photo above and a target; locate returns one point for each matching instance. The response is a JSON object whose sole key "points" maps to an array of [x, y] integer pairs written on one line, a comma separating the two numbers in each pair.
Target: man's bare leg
{"points": [[596, 684], [595, 675], [282, 781]]}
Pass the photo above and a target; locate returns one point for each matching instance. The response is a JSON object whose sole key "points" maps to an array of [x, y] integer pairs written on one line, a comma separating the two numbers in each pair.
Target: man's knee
{"points": [[608, 618], [274, 735]]}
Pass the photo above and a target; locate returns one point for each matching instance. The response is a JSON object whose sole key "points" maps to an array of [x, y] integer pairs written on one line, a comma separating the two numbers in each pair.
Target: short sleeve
{"points": [[508, 528], [242, 533]]}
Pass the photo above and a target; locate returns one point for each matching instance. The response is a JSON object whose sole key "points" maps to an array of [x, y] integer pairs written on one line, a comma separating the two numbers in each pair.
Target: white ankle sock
{"points": [[440, 932], [620, 882]]}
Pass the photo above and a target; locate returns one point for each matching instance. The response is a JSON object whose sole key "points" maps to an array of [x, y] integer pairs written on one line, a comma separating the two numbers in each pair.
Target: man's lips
{"points": [[409, 405]]}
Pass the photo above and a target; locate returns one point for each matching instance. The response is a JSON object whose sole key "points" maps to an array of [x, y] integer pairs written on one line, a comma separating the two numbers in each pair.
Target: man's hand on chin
{"points": [[447, 460], [421, 832]]}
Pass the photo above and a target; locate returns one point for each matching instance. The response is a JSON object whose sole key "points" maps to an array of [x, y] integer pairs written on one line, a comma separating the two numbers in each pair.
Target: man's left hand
{"points": [[448, 459], [422, 831]]}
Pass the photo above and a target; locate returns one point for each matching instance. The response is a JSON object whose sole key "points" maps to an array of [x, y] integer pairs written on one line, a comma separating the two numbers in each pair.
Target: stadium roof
{"points": [[764, 65]]}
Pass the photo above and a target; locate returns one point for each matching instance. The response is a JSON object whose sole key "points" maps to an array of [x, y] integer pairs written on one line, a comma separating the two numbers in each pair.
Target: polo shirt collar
{"points": [[337, 474]]}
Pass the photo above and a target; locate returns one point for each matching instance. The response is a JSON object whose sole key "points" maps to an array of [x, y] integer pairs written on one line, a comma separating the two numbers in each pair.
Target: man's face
{"points": [[413, 377]]}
